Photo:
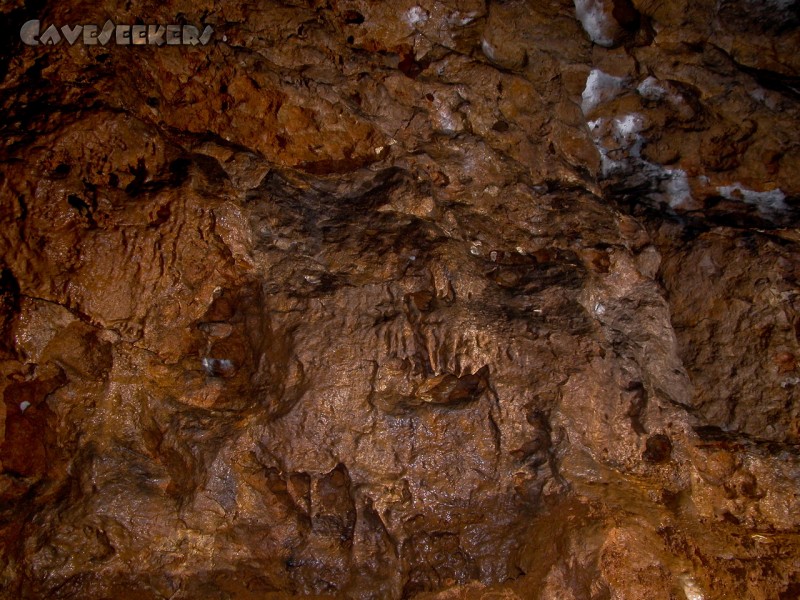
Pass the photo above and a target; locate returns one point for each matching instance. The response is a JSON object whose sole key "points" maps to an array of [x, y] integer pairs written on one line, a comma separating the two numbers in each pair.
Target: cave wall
{"points": [[452, 299]]}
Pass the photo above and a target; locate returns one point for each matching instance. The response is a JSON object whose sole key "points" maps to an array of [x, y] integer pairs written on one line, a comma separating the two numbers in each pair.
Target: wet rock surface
{"points": [[388, 300]]}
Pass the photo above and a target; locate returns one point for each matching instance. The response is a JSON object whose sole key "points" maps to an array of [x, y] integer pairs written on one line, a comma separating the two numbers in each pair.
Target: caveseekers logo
{"points": [[123, 35]]}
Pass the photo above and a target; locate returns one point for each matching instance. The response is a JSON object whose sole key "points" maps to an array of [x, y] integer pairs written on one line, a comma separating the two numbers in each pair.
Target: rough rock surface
{"points": [[433, 299]]}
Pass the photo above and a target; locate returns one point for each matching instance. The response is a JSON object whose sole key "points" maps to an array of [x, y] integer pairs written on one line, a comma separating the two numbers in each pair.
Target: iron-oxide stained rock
{"points": [[431, 299]]}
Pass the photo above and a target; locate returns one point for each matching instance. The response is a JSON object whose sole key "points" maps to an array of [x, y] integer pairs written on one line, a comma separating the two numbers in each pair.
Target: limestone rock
{"points": [[431, 299]]}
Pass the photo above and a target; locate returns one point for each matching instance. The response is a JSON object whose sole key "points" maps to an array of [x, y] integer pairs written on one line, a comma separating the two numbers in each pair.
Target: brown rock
{"points": [[387, 300]]}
